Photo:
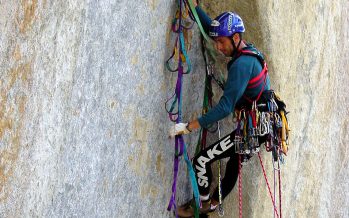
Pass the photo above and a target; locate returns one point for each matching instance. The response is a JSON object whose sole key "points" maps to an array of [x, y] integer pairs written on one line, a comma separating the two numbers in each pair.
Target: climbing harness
{"points": [[179, 52]]}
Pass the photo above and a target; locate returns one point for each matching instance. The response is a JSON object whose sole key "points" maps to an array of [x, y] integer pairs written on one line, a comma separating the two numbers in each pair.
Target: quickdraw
{"points": [[268, 125]]}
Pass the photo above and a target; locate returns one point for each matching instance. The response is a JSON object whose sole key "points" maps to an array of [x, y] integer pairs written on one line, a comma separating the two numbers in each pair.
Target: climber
{"points": [[226, 30]]}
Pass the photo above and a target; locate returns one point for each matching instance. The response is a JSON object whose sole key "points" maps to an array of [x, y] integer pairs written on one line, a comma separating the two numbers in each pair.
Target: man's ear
{"points": [[236, 38]]}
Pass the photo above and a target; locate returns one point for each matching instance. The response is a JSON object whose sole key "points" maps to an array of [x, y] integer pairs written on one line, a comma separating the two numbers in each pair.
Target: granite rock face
{"points": [[84, 132]]}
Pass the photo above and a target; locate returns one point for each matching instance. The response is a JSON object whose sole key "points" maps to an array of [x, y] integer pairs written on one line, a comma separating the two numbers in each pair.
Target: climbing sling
{"points": [[178, 27]]}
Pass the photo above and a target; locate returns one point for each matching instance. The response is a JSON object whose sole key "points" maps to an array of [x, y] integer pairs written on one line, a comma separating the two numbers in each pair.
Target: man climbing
{"points": [[247, 80]]}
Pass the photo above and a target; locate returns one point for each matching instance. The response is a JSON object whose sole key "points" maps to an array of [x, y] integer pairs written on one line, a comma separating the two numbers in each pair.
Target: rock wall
{"points": [[83, 130]]}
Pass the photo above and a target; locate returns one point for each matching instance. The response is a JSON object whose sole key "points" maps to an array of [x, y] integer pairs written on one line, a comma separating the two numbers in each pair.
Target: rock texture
{"points": [[83, 130]]}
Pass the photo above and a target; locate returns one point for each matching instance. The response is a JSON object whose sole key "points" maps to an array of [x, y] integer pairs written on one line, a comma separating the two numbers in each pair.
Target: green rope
{"points": [[196, 16]]}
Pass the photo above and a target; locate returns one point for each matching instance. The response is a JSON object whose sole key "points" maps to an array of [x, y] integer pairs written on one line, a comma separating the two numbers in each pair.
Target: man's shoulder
{"points": [[243, 62], [246, 59]]}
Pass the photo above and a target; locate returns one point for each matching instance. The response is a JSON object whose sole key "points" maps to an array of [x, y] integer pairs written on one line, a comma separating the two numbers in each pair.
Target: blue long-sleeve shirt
{"points": [[204, 18], [240, 71]]}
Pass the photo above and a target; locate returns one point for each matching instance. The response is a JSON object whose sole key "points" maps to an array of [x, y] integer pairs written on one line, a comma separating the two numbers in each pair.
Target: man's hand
{"points": [[179, 129]]}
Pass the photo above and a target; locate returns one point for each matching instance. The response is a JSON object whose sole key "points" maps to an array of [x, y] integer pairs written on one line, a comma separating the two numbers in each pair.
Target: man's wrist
{"points": [[187, 127]]}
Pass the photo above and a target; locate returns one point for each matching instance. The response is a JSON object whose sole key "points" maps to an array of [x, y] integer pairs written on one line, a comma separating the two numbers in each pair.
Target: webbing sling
{"points": [[197, 19], [180, 147], [208, 41]]}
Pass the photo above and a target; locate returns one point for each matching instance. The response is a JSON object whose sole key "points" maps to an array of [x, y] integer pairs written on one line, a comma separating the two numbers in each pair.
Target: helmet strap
{"points": [[236, 48]]}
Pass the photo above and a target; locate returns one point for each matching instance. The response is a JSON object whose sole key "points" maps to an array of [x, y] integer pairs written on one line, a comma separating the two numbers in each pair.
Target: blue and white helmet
{"points": [[226, 24]]}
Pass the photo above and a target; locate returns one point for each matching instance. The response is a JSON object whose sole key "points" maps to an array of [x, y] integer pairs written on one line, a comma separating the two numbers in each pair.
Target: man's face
{"points": [[223, 44]]}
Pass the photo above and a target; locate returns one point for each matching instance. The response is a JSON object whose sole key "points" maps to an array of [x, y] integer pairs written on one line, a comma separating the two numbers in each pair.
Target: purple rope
{"points": [[175, 175], [179, 141]]}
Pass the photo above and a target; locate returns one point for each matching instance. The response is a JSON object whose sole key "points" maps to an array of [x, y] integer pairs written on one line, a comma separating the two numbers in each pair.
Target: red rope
{"points": [[279, 189], [240, 188], [266, 180]]}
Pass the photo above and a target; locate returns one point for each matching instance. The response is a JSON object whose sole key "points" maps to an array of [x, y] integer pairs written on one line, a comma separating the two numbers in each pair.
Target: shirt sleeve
{"points": [[238, 77], [204, 19]]}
